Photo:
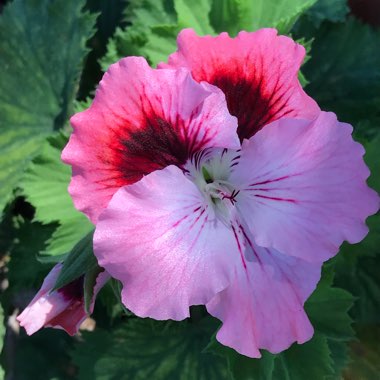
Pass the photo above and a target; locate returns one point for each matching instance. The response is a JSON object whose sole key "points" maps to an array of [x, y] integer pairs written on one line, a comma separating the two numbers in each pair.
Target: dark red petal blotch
{"points": [[258, 72]]}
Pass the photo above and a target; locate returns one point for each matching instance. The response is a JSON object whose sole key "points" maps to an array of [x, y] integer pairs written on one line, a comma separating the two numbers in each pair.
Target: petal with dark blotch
{"points": [[141, 120], [257, 71]]}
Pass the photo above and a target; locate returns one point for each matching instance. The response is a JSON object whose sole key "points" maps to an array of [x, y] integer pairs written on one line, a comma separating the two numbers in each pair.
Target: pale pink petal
{"points": [[141, 120], [263, 307], [303, 187], [161, 239], [44, 305], [257, 71], [72, 317], [62, 308]]}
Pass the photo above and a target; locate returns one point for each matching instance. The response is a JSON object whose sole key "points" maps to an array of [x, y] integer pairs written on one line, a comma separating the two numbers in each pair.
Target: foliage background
{"points": [[52, 55]]}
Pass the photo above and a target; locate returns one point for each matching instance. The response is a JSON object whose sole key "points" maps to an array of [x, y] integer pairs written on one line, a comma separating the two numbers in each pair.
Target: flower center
{"points": [[210, 172]]}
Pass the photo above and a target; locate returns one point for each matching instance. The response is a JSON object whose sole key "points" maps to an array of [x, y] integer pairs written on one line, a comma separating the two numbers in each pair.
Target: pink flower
{"points": [[63, 308], [258, 72], [186, 215], [243, 231], [141, 120]]}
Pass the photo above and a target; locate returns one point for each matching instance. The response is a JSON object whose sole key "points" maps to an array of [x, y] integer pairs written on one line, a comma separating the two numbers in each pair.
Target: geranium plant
{"points": [[195, 199]]}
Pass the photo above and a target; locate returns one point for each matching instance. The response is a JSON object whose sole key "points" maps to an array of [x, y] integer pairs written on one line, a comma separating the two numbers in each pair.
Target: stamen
{"points": [[231, 197]]}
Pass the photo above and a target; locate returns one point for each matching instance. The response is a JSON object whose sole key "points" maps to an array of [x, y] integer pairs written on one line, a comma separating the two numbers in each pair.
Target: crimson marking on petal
{"points": [[197, 209], [135, 153], [272, 180], [197, 218], [199, 232], [176, 224], [248, 98], [239, 247], [276, 198]]}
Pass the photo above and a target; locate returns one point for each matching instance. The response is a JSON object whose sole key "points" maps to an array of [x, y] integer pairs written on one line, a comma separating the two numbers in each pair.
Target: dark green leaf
{"points": [[242, 367], [89, 284], [307, 45], [144, 16], [357, 265], [328, 309], [372, 159], [309, 361], [80, 261], [147, 349], [40, 64], [360, 276], [344, 71], [25, 272], [324, 355], [340, 356], [116, 287], [331, 10]]}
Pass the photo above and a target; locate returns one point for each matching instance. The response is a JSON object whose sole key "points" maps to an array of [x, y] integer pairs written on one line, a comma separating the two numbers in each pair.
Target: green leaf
{"points": [[359, 275], [25, 272], [144, 16], [89, 284], [372, 160], [161, 43], [331, 10], [235, 15], [116, 287], [40, 64], [194, 14], [307, 45], [340, 356], [155, 24], [324, 355], [328, 309], [80, 261], [356, 265], [147, 349], [308, 361], [344, 71], [230, 16], [242, 367], [45, 186]]}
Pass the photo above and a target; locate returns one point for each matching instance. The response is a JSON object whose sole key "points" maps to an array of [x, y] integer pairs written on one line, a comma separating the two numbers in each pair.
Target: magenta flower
{"points": [[141, 120], [258, 72], [242, 231], [63, 308]]}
